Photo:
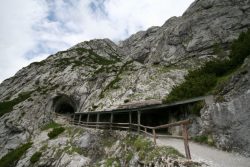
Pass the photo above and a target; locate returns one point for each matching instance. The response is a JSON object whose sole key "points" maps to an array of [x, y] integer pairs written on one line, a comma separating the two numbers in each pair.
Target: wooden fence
{"points": [[148, 130]]}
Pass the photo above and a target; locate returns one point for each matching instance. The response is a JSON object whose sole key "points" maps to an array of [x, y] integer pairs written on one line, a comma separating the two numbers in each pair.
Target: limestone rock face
{"points": [[228, 121], [99, 75], [205, 23]]}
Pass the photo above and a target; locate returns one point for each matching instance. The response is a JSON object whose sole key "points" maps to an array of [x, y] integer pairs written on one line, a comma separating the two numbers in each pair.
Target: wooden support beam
{"points": [[138, 121], [74, 116], [87, 119], [185, 138], [80, 117], [98, 119], [154, 135], [130, 120], [111, 120]]}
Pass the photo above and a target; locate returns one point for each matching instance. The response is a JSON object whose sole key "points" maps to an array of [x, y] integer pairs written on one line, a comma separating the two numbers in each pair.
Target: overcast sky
{"points": [[31, 30]]}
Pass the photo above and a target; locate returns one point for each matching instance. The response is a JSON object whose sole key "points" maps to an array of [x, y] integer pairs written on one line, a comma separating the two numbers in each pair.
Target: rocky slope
{"points": [[100, 75], [77, 146]]}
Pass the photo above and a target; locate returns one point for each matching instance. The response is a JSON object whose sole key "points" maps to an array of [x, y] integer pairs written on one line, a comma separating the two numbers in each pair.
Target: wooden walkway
{"points": [[148, 130], [107, 120]]}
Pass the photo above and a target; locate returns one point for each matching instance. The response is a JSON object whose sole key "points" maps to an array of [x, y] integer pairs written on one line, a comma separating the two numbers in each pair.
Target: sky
{"points": [[31, 30]]}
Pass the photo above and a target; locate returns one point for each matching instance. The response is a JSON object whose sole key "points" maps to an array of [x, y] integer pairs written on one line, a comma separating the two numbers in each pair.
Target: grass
{"points": [[114, 162], [7, 106], [11, 159], [205, 79], [50, 125], [55, 132], [35, 157]]}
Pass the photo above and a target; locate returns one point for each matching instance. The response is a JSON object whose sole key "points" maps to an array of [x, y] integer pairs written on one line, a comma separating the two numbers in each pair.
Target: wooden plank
{"points": [[185, 138], [138, 120], [184, 122], [80, 117], [154, 135], [130, 120], [111, 120], [87, 118]]}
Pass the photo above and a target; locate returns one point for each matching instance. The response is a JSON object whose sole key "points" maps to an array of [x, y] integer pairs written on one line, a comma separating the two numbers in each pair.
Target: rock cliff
{"points": [[100, 75]]}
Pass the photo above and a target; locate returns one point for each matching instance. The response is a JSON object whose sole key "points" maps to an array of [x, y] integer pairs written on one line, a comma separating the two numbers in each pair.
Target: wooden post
{"points": [[145, 130], [154, 134], [87, 119], [98, 120], [74, 118], [111, 120], [130, 121], [185, 138], [80, 117], [138, 121]]}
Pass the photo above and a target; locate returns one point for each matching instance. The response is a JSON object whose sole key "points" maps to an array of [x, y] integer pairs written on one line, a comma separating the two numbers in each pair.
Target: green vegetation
{"points": [[91, 60], [45, 89], [55, 132], [113, 83], [193, 108], [114, 162], [204, 139], [13, 156], [142, 144], [7, 106], [35, 157], [201, 81], [147, 150], [50, 125]]}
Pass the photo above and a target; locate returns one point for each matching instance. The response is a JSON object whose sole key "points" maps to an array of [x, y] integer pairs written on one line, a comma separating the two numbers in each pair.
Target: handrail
{"points": [[184, 122], [130, 126]]}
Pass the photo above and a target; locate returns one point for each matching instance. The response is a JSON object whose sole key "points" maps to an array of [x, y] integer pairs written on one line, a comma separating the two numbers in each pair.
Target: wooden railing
{"points": [[137, 127]]}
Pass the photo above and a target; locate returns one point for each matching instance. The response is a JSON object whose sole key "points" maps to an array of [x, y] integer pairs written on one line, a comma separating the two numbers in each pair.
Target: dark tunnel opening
{"points": [[64, 105], [65, 108]]}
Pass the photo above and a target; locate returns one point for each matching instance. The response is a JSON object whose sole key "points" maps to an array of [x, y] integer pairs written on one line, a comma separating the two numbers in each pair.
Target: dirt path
{"points": [[211, 156]]}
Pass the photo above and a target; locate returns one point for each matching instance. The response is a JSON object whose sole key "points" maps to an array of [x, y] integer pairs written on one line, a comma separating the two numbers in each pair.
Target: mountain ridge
{"points": [[100, 75]]}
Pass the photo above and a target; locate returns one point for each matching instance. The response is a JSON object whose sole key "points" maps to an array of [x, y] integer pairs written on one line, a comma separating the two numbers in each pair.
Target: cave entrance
{"points": [[65, 108], [64, 105]]}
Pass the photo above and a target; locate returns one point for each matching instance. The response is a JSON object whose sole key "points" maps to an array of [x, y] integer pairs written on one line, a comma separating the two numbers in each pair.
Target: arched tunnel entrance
{"points": [[63, 104]]}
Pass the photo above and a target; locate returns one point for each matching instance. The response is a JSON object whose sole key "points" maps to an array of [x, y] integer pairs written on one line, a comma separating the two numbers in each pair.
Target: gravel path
{"points": [[202, 153]]}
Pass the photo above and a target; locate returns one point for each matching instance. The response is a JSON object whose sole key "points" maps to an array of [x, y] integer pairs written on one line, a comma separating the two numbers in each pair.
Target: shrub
{"points": [[50, 125], [201, 81], [203, 139], [35, 157], [13, 157], [7, 106], [55, 132]]}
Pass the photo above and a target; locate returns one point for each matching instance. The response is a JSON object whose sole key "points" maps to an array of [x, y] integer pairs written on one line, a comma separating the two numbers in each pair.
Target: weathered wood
{"points": [[154, 135], [87, 118], [138, 120], [137, 126], [130, 120], [185, 122], [185, 138], [80, 117], [98, 119], [111, 120]]}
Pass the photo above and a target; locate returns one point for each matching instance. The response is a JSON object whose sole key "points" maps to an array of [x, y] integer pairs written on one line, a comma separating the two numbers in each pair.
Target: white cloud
{"points": [[32, 29]]}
